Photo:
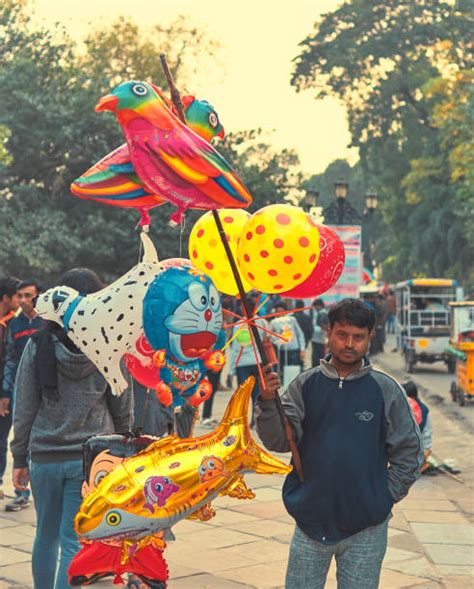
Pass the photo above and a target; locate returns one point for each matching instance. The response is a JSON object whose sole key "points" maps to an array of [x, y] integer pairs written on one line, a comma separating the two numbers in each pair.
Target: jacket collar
{"points": [[330, 371]]}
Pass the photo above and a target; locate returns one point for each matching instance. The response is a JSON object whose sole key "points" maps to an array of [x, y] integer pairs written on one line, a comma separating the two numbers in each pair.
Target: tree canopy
{"points": [[50, 134], [404, 72]]}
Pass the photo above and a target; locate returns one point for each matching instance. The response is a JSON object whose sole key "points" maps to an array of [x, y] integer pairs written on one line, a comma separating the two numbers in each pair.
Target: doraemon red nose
{"points": [[207, 315]]}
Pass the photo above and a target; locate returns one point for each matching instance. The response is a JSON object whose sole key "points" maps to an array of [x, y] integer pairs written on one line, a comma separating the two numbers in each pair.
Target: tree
{"points": [[377, 58], [50, 134]]}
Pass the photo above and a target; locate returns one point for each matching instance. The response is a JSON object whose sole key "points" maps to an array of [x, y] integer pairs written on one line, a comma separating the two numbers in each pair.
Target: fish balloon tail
{"points": [[256, 459], [149, 250]]}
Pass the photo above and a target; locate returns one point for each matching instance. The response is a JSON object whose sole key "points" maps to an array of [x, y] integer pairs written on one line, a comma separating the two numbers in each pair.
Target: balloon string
{"points": [[239, 356], [181, 232], [260, 373], [131, 404], [230, 340], [262, 305]]}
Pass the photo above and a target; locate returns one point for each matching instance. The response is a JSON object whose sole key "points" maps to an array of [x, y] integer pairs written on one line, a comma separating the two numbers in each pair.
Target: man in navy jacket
{"points": [[361, 452]]}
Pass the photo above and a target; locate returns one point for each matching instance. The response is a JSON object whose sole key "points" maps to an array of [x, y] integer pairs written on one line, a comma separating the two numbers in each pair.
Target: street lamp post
{"points": [[341, 212]]}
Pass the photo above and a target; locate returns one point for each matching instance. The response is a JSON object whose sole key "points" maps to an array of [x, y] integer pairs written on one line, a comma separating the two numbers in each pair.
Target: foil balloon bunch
{"points": [[175, 478]]}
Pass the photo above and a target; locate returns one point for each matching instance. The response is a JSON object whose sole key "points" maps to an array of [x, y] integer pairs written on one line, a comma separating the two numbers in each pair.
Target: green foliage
{"points": [[384, 61], [50, 134]]}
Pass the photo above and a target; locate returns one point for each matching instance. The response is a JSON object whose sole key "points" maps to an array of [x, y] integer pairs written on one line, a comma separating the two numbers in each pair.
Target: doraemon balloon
{"points": [[182, 321]]}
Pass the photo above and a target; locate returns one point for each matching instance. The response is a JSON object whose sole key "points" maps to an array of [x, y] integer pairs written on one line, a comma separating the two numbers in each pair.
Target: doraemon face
{"points": [[195, 324], [53, 303]]}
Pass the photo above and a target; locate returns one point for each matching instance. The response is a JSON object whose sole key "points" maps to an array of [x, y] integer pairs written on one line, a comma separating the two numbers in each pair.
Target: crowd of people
{"points": [[56, 399]]}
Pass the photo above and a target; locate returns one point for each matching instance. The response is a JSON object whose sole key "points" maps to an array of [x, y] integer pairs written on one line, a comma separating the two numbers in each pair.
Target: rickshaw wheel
{"points": [[454, 392]]}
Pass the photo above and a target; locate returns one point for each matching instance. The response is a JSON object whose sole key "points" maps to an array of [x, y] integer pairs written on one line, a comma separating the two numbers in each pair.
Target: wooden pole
{"points": [[289, 433]]}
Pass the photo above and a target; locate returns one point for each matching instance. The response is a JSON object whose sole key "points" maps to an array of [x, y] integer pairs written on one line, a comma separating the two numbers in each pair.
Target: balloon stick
{"points": [[289, 433]]}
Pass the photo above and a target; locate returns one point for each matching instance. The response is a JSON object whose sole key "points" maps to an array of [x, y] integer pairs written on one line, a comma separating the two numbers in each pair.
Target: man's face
{"points": [[12, 302], [26, 297], [348, 343]]}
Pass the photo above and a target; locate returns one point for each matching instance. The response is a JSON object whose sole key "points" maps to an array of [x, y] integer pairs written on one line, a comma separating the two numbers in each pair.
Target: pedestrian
{"points": [[244, 357], [391, 311], [305, 321], [291, 350], [319, 316], [61, 400], [9, 305], [20, 329], [360, 449], [425, 426]]}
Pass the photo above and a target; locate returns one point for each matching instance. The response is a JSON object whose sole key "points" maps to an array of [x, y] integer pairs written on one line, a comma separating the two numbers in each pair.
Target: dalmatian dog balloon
{"points": [[107, 324]]}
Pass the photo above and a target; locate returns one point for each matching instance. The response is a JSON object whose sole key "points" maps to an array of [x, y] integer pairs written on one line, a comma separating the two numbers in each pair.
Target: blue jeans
{"points": [[243, 372], [358, 560], [56, 491]]}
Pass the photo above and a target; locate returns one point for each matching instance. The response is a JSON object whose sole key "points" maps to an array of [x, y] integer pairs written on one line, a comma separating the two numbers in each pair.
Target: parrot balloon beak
{"points": [[108, 102], [221, 133]]}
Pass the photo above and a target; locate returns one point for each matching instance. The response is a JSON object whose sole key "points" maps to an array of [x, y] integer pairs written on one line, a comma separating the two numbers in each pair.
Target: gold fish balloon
{"points": [[176, 478]]}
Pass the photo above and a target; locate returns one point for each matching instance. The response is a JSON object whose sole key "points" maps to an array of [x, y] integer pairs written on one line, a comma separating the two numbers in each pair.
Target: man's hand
{"points": [[4, 406], [21, 478], [272, 383]]}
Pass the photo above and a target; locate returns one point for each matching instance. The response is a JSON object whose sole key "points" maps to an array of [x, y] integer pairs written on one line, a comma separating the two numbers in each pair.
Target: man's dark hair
{"points": [[318, 303], [411, 389], [8, 286], [82, 279], [280, 305], [32, 282], [353, 312]]}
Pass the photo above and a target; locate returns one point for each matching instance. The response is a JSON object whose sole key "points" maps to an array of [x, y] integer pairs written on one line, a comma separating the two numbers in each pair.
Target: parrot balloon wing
{"points": [[113, 181]]}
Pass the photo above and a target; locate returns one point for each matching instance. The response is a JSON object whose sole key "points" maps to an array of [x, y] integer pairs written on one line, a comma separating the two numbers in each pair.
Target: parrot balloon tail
{"points": [[177, 478]]}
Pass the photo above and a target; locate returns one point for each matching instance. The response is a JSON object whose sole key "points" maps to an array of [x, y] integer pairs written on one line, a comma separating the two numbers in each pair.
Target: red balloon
{"points": [[148, 375], [327, 269]]}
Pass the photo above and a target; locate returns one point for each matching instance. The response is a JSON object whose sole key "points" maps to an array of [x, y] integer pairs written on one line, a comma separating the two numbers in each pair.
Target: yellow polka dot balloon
{"points": [[207, 253], [278, 248]]}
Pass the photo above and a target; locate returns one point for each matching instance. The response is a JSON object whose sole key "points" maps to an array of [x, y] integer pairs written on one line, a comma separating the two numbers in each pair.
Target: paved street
{"points": [[431, 537]]}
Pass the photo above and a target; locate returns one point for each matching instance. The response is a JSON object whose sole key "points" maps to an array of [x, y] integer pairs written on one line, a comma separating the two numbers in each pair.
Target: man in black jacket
{"points": [[361, 451]]}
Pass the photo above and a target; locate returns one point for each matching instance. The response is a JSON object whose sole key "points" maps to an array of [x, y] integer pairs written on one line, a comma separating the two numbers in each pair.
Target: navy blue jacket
{"points": [[359, 445], [20, 329]]}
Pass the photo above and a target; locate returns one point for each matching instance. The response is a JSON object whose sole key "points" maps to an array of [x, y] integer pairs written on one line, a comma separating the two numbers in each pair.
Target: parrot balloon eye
{"points": [[213, 120], [139, 90], [113, 518]]}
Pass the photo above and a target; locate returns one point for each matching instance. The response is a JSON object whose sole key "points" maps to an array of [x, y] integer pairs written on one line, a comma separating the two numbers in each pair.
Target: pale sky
{"points": [[251, 85]]}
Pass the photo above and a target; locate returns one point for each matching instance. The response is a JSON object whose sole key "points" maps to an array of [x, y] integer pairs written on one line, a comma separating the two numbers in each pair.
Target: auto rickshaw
{"points": [[423, 320], [461, 348]]}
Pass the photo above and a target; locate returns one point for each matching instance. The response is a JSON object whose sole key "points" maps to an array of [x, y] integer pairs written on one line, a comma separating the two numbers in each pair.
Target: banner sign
{"points": [[350, 280]]}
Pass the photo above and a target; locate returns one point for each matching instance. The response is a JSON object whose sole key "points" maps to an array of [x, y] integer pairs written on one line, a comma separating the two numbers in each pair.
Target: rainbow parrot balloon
{"points": [[169, 158], [113, 180], [176, 478]]}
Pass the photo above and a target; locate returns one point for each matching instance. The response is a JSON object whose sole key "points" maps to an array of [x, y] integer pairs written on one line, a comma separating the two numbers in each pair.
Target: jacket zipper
{"points": [[341, 380]]}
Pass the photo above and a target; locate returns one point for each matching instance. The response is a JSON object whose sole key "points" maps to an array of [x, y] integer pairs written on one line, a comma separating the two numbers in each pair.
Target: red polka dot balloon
{"points": [[278, 248], [328, 269], [207, 253]]}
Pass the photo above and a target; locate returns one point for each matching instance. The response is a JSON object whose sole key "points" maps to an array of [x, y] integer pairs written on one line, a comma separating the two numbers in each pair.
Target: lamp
{"points": [[341, 189]]}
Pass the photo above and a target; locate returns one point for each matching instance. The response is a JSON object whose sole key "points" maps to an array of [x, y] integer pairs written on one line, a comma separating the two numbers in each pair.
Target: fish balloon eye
{"points": [[159, 487], [213, 120], [113, 518], [211, 464], [139, 90]]}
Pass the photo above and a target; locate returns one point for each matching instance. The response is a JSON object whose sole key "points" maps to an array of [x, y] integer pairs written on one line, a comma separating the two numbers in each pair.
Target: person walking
{"points": [[61, 400], [291, 350], [424, 424], [318, 339], [9, 305], [20, 329], [360, 449]]}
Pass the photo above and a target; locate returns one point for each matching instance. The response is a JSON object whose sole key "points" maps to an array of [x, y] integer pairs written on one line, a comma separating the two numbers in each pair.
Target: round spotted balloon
{"points": [[207, 253], [278, 248]]}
